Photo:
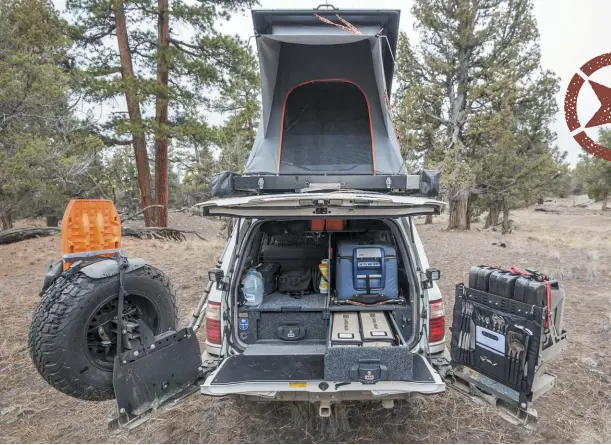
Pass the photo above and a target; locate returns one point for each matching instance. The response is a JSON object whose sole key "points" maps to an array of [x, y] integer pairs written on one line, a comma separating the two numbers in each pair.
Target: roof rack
{"points": [[424, 183]]}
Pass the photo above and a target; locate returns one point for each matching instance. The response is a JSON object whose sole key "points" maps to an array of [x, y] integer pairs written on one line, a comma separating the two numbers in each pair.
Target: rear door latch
{"points": [[368, 371]]}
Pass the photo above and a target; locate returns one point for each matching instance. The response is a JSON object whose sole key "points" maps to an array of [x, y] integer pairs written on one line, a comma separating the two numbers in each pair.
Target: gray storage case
{"points": [[376, 329], [345, 330]]}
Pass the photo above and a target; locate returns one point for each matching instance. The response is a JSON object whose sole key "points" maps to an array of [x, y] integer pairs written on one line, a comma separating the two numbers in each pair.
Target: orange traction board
{"points": [[90, 225]]}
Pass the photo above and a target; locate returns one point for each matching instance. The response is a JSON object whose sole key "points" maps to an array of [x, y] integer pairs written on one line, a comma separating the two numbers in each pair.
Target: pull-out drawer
{"points": [[368, 365], [255, 326], [363, 347]]}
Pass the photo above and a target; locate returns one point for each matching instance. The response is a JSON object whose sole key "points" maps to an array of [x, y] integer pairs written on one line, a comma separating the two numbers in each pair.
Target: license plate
{"points": [[298, 385]]}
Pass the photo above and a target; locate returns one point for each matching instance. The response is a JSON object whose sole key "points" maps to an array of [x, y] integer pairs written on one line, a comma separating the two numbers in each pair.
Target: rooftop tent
{"points": [[324, 93]]}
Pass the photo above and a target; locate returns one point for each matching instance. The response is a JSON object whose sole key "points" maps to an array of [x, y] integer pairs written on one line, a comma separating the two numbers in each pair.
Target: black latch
{"points": [[430, 276], [368, 371], [291, 332], [217, 276]]}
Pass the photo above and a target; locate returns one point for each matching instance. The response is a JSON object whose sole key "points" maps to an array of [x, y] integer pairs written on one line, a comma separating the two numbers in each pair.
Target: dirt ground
{"points": [[572, 246]]}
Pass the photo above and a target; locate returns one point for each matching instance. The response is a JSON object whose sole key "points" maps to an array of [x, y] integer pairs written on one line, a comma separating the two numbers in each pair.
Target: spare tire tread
{"points": [[53, 316]]}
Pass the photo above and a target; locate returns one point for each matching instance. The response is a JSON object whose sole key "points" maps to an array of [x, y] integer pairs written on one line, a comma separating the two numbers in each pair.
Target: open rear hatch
{"points": [[340, 204]]}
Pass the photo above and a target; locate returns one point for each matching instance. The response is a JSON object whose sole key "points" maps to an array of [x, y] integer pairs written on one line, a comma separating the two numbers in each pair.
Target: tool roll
{"points": [[501, 345], [503, 320]]}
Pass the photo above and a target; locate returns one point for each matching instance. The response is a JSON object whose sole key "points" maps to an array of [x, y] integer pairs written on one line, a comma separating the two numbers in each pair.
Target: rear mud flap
{"points": [[147, 377]]}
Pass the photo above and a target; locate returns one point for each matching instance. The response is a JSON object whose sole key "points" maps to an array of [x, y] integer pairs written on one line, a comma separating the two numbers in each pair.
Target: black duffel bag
{"points": [[296, 282], [221, 185]]}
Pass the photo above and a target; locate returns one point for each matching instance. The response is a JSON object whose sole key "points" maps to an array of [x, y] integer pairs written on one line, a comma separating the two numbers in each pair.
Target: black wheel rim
{"points": [[101, 327]]}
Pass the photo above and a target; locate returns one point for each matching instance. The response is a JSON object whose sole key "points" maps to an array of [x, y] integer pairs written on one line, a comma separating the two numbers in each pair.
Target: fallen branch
{"points": [[547, 210], [165, 233], [192, 210], [20, 234], [192, 232], [153, 233], [135, 215]]}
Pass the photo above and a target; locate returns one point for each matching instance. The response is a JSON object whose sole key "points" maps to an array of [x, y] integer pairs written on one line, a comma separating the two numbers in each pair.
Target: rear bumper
{"points": [[312, 390]]}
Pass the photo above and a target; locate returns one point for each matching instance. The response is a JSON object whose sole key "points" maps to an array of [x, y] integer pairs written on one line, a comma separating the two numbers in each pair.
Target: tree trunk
{"points": [[161, 114], [6, 222], [493, 215], [135, 116], [605, 203], [458, 209], [10, 236], [506, 222], [429, 219]]}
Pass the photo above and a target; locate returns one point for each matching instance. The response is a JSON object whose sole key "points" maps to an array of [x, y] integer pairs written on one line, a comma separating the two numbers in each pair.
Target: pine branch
{"points": [[437, 118], [94, 38], [179, 44], [109, 141]]}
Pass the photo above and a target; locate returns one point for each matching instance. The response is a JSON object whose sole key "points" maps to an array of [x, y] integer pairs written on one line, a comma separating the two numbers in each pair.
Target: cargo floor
{"points": [[269, 368]]}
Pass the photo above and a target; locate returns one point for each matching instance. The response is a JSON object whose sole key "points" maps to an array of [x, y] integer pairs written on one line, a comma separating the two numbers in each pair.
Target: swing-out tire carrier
{"points": [[151, 375], [470, 384]]}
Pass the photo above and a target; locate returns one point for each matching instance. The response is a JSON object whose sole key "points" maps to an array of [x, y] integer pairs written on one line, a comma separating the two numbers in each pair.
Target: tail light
{"points": [[437, 322], [213, 323]]}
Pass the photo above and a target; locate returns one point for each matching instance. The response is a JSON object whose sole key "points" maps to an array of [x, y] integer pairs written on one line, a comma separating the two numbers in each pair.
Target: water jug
{"points": [[252, 287]]}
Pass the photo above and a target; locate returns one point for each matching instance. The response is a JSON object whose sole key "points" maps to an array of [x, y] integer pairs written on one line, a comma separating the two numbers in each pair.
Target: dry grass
{"points": [[578, 410]]}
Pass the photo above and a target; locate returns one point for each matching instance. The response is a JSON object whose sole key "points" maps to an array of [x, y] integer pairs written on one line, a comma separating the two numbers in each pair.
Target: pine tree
{"points": [[449, 80], [43, 156], [239, 100], [154, 55], [596, 172], [516, 160]]}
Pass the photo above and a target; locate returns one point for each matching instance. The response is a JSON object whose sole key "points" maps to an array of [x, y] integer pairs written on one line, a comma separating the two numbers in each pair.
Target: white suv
{"points": [[248, 352]]}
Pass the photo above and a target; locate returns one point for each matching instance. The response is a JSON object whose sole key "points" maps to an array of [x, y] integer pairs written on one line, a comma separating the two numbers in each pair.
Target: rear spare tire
{"points": [[73, 338]]}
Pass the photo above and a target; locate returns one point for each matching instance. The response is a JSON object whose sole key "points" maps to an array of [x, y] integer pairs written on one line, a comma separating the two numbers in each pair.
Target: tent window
{"points": [[326, 128]]}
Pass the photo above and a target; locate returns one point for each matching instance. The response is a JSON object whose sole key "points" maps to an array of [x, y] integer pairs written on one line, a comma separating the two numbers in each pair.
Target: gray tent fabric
{"points": [[324, 107], [269, 70], [326, 127]]}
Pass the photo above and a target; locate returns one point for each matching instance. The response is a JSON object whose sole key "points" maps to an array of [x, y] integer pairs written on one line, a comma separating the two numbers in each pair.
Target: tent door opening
{"points": [[326, 126]]}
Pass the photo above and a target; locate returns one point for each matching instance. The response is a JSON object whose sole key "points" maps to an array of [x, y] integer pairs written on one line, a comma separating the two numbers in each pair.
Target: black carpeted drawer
{"points": [[282, 326], [369, 364]]}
